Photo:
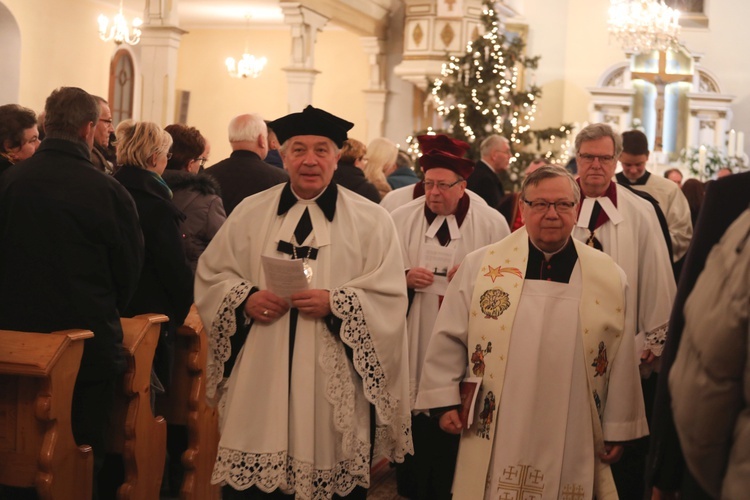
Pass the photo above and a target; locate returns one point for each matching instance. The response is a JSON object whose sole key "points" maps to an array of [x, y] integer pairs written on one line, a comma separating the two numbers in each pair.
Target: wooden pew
{"points": [[135, 433], [185, 404], [37, 449]]}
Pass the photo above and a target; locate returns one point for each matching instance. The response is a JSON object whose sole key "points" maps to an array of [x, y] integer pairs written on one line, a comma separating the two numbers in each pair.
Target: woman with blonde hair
{"points": [[166, 282], [380, 161]]}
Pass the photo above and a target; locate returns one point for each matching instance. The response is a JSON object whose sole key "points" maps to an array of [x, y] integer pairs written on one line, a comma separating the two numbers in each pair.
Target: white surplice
{"points": [[544, 441], [676, 210], [403, 195], [632, 237], [308, 435], [481, 226]]}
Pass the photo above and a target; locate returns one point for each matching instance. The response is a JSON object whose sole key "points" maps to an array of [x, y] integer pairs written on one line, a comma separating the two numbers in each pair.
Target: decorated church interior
{"points": [[418, 97]]}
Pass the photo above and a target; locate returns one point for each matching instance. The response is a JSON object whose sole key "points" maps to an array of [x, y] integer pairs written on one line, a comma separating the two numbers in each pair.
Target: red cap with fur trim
{"points": [[440, 159], [443, 143]]}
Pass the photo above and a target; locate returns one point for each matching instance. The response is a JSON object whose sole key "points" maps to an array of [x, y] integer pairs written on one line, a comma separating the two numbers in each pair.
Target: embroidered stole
{"points": [[493, 307]]}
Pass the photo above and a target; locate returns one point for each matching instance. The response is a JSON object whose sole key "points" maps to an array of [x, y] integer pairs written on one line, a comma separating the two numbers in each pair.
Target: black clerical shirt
{"points": [[558, 268]]}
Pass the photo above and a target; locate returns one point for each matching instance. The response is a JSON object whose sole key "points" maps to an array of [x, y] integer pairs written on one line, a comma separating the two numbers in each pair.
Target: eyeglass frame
{"points": [[567, 205], [441, 186], [588, 158], [201, 160]]}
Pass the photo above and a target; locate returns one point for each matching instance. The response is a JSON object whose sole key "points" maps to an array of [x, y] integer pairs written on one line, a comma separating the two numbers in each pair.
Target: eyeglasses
{"points": [[202, 160], [105, 121], [588, 159], [169, 156], [541, 206], [442, 186]]}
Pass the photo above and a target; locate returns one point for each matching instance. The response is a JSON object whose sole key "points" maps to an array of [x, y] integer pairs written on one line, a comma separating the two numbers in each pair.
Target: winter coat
{"points": [[199, 198], [166, 282], [71, 252]]}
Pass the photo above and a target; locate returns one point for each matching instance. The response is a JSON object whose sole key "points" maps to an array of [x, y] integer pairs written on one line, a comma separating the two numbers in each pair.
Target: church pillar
{"points": [[159, 47], [300, 74], [375, 95]]}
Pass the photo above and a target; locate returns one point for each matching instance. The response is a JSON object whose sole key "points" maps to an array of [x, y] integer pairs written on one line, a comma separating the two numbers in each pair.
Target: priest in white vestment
{"points": [[671, 200], [625, 227], [560, 390], [312, 377], [437, 229], [401, 196]]}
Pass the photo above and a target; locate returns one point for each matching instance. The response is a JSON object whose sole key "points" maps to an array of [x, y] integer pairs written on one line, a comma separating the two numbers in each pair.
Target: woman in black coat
{"points": [[166, 283]]}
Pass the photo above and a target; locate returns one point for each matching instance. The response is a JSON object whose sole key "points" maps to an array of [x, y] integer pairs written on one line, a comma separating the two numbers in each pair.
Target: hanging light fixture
{"points": [[644, 25], [248, 65], [119, 31]]}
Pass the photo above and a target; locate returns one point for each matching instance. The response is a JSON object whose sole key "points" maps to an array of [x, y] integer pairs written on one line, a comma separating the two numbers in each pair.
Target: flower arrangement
{"points": [[715, 160]]}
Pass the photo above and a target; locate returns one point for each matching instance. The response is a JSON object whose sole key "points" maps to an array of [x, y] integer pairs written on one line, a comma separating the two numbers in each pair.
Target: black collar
{"points": [[326, 201], [640, 181], [559, 267]]}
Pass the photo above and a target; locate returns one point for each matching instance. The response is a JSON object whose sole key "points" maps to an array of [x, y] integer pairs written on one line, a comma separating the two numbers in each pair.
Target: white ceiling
{"points": [[208, 13]]}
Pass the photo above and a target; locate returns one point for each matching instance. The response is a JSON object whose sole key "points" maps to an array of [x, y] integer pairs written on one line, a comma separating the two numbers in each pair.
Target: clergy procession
{"points": [[480, 363]]}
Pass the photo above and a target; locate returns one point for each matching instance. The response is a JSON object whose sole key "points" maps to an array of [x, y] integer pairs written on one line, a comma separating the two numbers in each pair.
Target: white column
{"points": [[300, 74], [376, 94], [159, 48]]}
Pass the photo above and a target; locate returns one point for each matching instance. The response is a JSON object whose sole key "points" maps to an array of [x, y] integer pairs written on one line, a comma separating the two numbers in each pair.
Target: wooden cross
{"points": [[660, 79]]}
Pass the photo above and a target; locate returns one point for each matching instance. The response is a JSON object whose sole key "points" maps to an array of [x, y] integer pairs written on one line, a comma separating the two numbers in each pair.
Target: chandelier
{"points": [[119, 31], [643, 25], [248, 65]]}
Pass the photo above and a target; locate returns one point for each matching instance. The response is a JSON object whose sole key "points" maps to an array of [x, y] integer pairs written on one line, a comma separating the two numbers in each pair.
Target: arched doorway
{"points": [[121, 86]]}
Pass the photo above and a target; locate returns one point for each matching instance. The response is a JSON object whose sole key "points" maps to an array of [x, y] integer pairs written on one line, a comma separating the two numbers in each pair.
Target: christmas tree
{"points": [[478, 94]]}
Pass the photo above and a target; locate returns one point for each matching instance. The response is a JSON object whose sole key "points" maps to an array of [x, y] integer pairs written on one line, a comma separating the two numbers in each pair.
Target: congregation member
{"points": [[273, 157], [427, 143], [379, 162], [672, 201], [674, 175], [666, 473], [350, 171], [100, 151], [485, 181], [508, 206], [195, 194], [560, 394], [404, 174], [19, 135], [166, 282], [320, 371], [71, 252], [713, 369], [723, 172], [694, 191], [436, 232], [624, 226], [244, 173]]}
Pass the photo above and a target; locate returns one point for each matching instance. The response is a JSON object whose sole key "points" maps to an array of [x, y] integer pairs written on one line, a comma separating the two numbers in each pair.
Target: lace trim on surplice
{"points": [[223, 327], [656, 338], [393, 432], [270, 471]]}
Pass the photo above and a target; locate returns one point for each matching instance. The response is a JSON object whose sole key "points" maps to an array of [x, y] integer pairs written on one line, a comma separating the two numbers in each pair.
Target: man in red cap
{"points": [[436, 231], [303, 295], [427, 143]]}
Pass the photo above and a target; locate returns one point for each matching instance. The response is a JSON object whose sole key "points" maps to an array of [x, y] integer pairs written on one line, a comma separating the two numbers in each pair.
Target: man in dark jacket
{"points": [[71, 251], [244, 173], [485, 180]]}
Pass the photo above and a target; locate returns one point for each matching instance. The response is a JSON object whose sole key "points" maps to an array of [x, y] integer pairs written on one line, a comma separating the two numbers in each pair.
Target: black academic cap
{"points": [[311, 121]]}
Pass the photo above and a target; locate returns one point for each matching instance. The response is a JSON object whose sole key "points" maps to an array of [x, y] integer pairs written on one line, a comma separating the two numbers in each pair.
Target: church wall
{"points": [[60, 46], [215, 97], [724, 47]]}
